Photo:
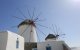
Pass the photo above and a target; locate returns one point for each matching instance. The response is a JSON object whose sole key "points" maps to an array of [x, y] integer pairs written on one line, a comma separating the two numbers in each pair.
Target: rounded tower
{"points": [[27, 30]]}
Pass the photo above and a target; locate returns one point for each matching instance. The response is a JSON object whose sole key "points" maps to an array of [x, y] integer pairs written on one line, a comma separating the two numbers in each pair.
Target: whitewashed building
{"points": [[27, 39], [27, 29], [11, 41], [51, 43]]}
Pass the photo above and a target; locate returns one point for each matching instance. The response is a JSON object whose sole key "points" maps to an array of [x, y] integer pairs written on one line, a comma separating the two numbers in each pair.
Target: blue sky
{"points": [[65, 14]]}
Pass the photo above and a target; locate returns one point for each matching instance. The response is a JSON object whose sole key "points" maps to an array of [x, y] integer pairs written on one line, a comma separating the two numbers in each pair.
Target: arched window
{"points": [[48, 47], [17, 43]]}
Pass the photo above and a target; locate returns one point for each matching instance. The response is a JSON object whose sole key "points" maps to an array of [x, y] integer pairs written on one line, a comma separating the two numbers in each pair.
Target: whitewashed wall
{"points": [[55, 45], [8, 41], [27, 34], [3, 40]]}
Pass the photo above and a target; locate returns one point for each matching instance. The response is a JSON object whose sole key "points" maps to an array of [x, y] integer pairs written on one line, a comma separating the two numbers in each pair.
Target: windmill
{"points": [[57, 32], [27, 28]]}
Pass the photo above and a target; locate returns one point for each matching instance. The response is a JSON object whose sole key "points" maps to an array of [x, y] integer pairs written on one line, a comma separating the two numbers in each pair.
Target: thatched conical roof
{"points": [[50, 36], [27, 22]]}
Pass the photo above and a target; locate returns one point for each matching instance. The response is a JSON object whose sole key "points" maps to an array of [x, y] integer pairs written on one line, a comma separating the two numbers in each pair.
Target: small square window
{"points": [[48, 48]]}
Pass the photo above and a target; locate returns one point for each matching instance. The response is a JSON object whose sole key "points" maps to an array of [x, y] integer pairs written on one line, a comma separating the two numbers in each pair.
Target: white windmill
{"points": [[57, 32], [27, 29]]}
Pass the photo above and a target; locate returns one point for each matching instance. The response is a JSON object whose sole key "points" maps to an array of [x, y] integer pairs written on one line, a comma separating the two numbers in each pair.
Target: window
{"points": [[17, 43], [48, 47]]}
